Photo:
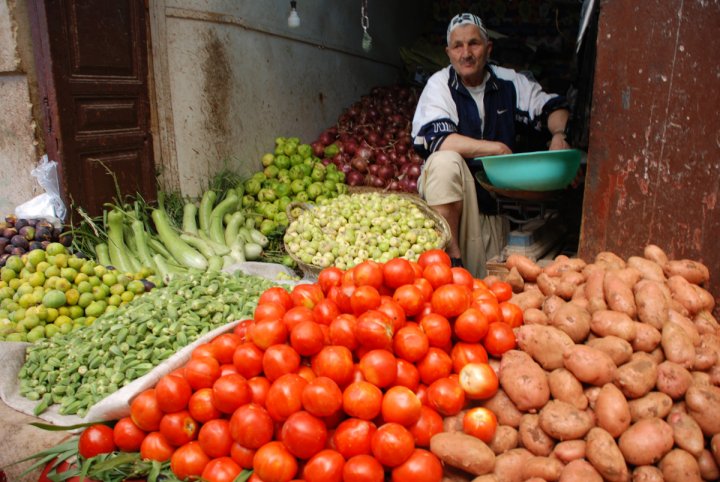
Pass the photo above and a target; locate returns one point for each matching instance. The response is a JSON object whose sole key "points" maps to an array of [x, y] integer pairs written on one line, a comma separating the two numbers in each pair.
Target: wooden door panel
{"points": [[127, 169]]}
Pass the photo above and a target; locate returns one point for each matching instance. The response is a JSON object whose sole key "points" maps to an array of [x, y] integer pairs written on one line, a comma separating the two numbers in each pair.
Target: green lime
{"points": [[54, 299], [55, 248]]}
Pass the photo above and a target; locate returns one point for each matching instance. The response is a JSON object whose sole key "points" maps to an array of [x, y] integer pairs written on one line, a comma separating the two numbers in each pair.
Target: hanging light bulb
{"points": [[293, 18]]}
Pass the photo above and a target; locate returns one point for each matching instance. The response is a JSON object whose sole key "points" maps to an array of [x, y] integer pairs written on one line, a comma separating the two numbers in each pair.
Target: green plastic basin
{"points": [[533, 171]]}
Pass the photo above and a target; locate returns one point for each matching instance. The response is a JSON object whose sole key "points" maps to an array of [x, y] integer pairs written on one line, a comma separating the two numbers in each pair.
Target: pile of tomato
{"points": [[346, 379]]}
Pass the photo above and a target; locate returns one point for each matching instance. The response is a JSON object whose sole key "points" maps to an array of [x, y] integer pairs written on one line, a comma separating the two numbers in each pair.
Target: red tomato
{"points": [[425, 288], [434, 365], [242, 456], [379, 367], [341, 296], [251, 426], [307, 373], [179, 428], [503, 291], [352, 437], [306, 338], [392, 444], [279, 360], [156, 447], [259, 386], [410, 343], [450, 300], [273, 463], [224, 346], [362, 400], [203, 350], [202, 372], [145, 411], [446, 396], [215, 439], [329, 277], [303, 434], [243, 329], [221, 469], [480, 422], [269, 310], [285, 396], [227, 369], [127, 436], [188, 461], [363, 468], [374, 329], [478, 380], [325, 311], [247, 359], [461, 276], [434, 256], [307, 295], [231, 391], [511, 314], [342, 331], [276, 294], [499, 339], [471, 326], [364, 298], [201, 406], [394, 311], [464, 353], [269, 332], [410, 298], [437, 329], [368, 273], [334, 362], [407, 374], [421, 466], [438, 274], [428, 424], [322, 397], [325, 466], [401, 405], [52, 467], [96, 439], [398, 272], [297, 314]]}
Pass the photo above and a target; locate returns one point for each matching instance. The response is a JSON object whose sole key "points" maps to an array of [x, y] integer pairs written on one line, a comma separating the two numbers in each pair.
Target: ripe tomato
{"points": [[156, 447], [334, 362], [297, 314], [437, 329], [368, 273], [279, 360], [303, 434], [269, 332], [394, 311], [352, 437], [179, 428], [471, 326], [145, 411], [285, 396], [398, 272], [259, 387], [227, 369], [434, 365], [428, 424], [421, 466], [329, 277], [307, 338], [342, 331], [410, 298], [362, 400], [242, 456], [374, 329], [203, 350], [425, 288], [450, 300], [307, 373], [379, 367], [511, 314], [410, 343], [446, 396], [325, 311], [480, 422], [96, 439], [278, 295], [434, 256], [273, 463], [202, 372], [503, 291], [407, 374], [363, 468], [215, 439], [438, 274], [243, 329], [231, 391], [188, 461], [392, 444], [322, 397], [401, 405], [127, 436], [221, 469], [461, 276], [464, 353], [364, 298], [306, 294], [325, 466], [478, 380], [224, 346], [201, 406], [269, 310], [52, 466], [251, 426], [341, 296], [499, 339], [247, 359]]}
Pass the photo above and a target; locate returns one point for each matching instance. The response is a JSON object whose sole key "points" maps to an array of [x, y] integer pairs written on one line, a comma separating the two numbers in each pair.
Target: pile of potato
{"points": [[616, 377]]}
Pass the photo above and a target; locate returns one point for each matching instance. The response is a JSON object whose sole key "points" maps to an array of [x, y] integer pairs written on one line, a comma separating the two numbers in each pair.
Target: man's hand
{"points": [[558, 142], [499, 148]]}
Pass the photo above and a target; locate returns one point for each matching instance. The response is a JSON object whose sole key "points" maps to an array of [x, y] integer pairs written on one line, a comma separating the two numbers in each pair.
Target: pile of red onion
{"points": [[371, 142]]}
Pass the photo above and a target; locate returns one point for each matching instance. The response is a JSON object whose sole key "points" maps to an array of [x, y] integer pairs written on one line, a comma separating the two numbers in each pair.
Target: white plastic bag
{"points": [[48, 205]]}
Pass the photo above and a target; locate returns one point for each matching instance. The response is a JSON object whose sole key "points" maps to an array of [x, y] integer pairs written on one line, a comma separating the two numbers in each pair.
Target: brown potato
{"points": [[680, 466], [544, 468], [637, 377], [566, 388], [563, 421], [592, 394], [454, 423], [701, 379], [594, 291], [618, 294], [579, 297], [705, 358], [709, 469], [652, 405], [714, 373], [508, 466], [608, 322], [647, 337], [690, 296], [693, 271], [568, 283], [657, 355], [703, 404], [686, 324], [610, 260], [547, 284], [545, 344], [463, 452], [715, 447], [655, 253], [646, 441], [686, 432], [524, 381], [648, 269], [532, 437], [580, 470], [677, 345], [590, 365], [451, 474], [528, 299], [629, 275], [673, 379], [605, 456], [562, 264], [515, 281], [527, 268], [653, 301], [551, 304], [706, 323], [505, 438], [647, 473], [569, 450], [573, 320], [535, 316], [618, 349], [504, 409], [612, 410], [483, 478]]}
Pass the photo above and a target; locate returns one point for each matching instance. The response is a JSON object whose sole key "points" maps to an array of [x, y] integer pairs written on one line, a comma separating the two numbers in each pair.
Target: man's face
{"points": [[468, 52]]}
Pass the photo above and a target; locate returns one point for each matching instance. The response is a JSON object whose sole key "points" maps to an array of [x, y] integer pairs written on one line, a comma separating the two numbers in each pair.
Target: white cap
{"points": [[466, 19]]}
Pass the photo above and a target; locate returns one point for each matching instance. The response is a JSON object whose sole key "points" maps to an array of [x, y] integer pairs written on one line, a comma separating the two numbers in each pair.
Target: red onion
{"points": [[354, 178], [382, 158], [363, 152], [326, 138], [413, 171], [359, 164], [386, 171], [318, 149]]}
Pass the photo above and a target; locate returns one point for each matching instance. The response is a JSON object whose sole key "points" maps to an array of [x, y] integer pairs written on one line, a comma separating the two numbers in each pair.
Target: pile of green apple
{"points": [[49, 291], [290, 174]]}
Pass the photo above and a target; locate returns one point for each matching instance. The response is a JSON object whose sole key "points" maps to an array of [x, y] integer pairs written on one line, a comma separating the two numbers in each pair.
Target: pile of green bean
{"points": [[80, 368]]}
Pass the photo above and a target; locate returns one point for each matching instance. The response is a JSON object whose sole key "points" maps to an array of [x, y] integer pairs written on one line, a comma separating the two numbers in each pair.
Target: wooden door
{"points": [[92, 68]]}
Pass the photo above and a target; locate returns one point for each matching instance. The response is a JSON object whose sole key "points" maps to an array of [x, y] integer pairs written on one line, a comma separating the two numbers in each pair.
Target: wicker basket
{"points": [[441, 225]]}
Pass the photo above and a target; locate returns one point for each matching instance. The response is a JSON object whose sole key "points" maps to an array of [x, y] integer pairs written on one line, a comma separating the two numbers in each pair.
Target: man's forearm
{"points": [[557, 121], [469, 147]]}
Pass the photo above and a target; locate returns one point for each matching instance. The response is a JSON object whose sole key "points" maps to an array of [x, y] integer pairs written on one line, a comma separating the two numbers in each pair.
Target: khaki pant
{"points": [[446, 178]]}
